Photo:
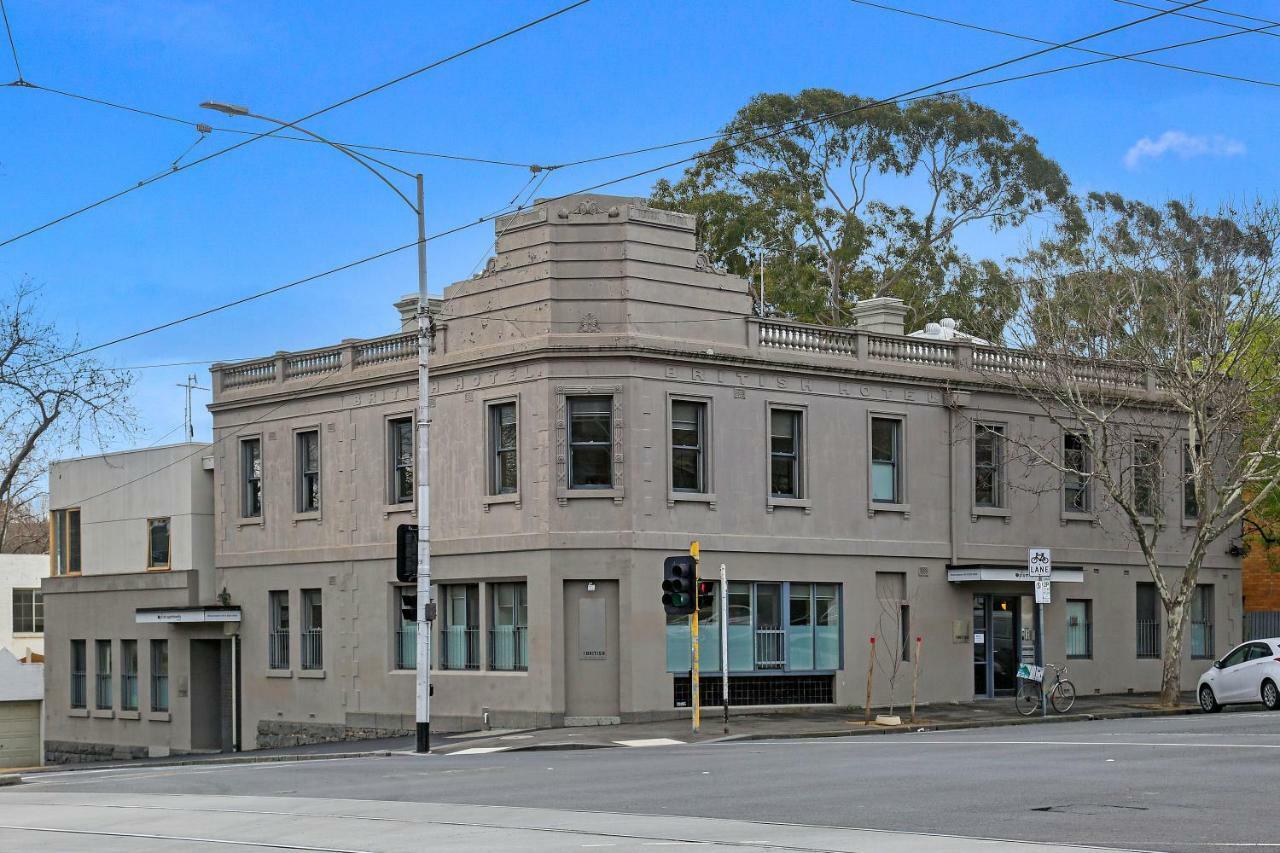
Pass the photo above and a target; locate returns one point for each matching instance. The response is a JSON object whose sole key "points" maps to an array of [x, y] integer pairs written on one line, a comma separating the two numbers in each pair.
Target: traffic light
{"points": [[407, 553], [678, 579], [409, 607], [706, 595]]}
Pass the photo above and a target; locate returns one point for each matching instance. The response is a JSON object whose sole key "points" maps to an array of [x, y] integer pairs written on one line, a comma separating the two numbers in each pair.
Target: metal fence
{"points": [[278, 651], [771, 648], [1149, 639], [1262, 625], [312, 649], [508, 649], [459, 648]]}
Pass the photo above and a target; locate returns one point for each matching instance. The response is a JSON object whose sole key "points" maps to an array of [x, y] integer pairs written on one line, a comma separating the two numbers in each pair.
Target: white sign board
{"points": [[1031, 672], [1038, 563], [1042, 590]]}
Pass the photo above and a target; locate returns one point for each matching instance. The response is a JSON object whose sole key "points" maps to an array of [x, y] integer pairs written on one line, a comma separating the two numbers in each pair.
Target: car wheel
{"points": [[1208, 703], [1270, 695]]}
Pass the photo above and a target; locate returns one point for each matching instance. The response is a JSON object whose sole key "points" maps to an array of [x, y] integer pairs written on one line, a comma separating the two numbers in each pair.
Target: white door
{"points": [[19, 734]]}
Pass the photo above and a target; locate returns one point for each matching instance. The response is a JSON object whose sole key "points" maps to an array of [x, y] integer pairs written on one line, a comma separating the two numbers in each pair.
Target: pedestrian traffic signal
{"points": [[678, 579], [706, 595], [409, 607], [407, 553]]}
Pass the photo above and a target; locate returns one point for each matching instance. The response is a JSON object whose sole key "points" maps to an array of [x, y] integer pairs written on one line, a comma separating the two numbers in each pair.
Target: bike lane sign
{"points": [[1039, 564]]}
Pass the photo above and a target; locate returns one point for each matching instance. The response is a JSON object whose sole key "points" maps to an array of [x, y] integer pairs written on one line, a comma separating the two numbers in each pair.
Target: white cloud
{"points": [[1182, 145]]}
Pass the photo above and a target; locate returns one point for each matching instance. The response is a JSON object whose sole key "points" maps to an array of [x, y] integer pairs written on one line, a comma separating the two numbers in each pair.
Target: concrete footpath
{"points": [[775, 724]]}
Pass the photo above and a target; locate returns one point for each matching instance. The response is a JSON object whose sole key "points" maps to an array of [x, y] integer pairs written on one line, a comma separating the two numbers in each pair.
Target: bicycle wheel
{"points": [[1063, 696], [1027, 700]]}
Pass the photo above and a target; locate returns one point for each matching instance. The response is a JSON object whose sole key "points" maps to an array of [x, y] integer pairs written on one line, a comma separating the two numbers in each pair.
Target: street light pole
{"points": [[426, 330]]}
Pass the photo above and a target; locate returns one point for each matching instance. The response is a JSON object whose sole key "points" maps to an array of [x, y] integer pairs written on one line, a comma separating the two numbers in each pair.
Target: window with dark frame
{"points": [[307, 460], [1190, 504], [78, 663], [688, 446], [157, 543], [504, 456], [786, 447], [1077, 494], [590, 442], [159, 676], [251, 476], [278, 636], [1202, 622], [988, 466], [66, 541], [1079, 628], [1148, 621], [406, 652], [400, 460], [128, 675], [1146, 477], [28, 611], [886, 460], [312, 629], [509, 628], [460, 628], [102, 675]]}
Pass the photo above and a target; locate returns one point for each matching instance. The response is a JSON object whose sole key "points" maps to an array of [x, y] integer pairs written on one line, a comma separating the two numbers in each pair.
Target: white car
{"points": [[1248, 673]]}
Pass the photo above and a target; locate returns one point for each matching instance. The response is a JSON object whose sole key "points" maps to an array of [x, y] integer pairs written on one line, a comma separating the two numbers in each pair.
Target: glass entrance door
{"points": [[995, 644]]}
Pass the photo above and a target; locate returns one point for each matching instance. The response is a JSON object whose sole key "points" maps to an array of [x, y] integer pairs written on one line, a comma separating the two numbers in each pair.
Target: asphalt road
{"points": [[1192, 783]]}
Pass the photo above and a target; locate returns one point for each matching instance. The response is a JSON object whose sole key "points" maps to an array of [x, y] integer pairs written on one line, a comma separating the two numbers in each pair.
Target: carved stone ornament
{"points": [[490, 267], [589, 324], [702, 263]]}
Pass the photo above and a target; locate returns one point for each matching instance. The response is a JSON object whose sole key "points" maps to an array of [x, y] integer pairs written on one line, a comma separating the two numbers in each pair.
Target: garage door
{"points": [[19, 734]]}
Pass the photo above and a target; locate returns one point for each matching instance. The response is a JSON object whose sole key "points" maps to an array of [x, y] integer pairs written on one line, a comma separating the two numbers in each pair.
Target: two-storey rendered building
{"points": [[601, 396]]}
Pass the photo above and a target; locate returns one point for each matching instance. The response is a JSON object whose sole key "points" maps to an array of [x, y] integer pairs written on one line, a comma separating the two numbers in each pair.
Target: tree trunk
{"points": [[1171, 676]]}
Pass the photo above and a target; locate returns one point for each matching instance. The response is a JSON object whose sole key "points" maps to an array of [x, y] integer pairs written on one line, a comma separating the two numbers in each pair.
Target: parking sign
{"points": [[1039, 565]]}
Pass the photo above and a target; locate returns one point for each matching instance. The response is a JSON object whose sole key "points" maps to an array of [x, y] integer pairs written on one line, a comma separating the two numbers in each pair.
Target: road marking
{"points": [[479, 750], [888, 742], [653, 741]]}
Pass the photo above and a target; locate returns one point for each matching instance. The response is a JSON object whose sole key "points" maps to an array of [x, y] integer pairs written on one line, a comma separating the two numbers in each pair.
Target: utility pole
{"points": [[421, 474], [694, 682], [724, 643], [187, 422]]}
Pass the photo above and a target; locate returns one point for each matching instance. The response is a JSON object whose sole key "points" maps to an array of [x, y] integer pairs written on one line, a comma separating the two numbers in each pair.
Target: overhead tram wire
{"points": [[273, 131], [13, 48], [1225, 12], [199, 125], [991, 30], [483, 219]]}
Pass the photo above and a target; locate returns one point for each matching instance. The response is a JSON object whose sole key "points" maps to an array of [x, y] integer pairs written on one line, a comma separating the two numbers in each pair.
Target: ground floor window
{"points": [[774, 689], [509, 628], [1148, 621], [760, 639], [78, 658], [460, 628], [128, 675], [312, 630], [102, 681], [1202, 622], [1079, 628], [160, 675]]}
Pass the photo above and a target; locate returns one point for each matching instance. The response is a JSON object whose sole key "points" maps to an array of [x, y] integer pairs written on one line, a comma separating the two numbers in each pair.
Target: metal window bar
{"points": [[312, 649], [77, 689], [459, 647], [1148, 639], [407, 646], [129, 692], [771, 648], [508, 649], [1201, 638], [1080, 640], [160, 692], [102, 690], [279, 649]]}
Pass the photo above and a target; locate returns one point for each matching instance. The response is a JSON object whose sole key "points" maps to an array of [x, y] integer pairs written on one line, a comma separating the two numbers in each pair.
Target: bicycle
{"points": [[1062, 693]]}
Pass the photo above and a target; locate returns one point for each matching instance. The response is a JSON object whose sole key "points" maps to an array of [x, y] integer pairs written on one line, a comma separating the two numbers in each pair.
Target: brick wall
{"points": [[1261, 578]]}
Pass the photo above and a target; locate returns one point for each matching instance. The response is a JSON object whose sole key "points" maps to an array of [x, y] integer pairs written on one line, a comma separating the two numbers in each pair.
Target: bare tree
{"points": [[53, 402], [892, 647], [1150, 345]]}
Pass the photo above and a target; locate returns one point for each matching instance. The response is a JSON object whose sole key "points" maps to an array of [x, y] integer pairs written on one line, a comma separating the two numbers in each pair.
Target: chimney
{"points": [[884, 315]]}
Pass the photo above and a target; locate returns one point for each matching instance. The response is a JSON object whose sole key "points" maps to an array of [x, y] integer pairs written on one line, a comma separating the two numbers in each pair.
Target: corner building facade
{"points": [[600, 397]]}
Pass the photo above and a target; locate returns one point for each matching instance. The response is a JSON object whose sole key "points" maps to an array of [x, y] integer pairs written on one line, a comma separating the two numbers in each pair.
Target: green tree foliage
{"points": [[853, 199]]}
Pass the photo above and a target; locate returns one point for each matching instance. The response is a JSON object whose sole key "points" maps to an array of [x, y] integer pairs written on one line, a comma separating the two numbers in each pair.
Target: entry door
{"points": [[591, 667], [206, 695], [996, 654]]}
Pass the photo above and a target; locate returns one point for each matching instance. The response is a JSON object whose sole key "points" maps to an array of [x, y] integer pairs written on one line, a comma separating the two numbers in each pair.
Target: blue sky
{"points": [[609, 76]]}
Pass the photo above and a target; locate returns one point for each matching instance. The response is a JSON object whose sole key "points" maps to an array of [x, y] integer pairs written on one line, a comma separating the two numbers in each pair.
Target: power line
{"points": [[464, 226], [993, 31], [381, 86], [1214, 21], [202, 126], [13, 48]]}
